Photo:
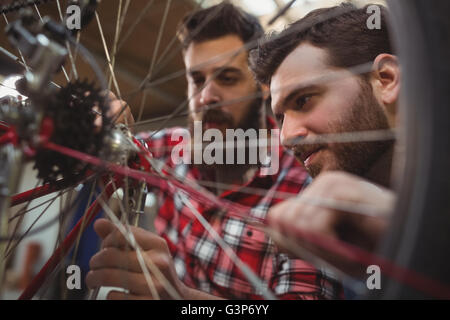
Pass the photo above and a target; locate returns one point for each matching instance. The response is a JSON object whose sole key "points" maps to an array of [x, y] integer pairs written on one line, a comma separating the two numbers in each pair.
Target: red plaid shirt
{"points": [[202, 264]]}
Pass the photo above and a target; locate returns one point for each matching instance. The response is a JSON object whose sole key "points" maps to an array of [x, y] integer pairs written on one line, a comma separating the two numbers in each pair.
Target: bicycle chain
{"points": [[21, 4]]}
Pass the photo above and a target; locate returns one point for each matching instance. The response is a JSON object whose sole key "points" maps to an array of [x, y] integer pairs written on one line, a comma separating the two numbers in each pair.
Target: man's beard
{"points": [[366, 114], [252, 120]]}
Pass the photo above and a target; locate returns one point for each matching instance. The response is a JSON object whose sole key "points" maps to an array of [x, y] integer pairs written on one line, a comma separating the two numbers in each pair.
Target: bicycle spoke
{"points": [[124, 208], [247, 46], [145, 263], [29, 228], [158, 40], [257, 283], [51, 280], [155, 53], [24, 210], [83, 223], [75, 54], [186, 102], [282, 11], [71, 58], [323, 79], [152, 179], [62, 67], [358, 255], [21, 213], [61, 233], [105, 47], [62, 249], [135, 23], [20, 52], [165, 59], [339, 205], [174, 38], [300, 251], [93, 293], [119, 24], [124, 202], [18, 60], [331, 138], [181, 106]]}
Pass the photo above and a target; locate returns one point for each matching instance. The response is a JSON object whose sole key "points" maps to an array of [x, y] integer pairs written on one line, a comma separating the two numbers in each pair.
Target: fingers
{"points": [[109, 95], [116, 107], [304, 216], [145, 239], [103, 227], [296, 214], [115, 110], [125, 259], [134, 282], [296, 230], [112, 237], [117, 295], [115, 258], [116, 268], [280, 214]]}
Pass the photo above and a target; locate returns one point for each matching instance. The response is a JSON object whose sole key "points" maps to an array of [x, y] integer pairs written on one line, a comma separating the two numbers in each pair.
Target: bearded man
{"points": [[330, 76]]}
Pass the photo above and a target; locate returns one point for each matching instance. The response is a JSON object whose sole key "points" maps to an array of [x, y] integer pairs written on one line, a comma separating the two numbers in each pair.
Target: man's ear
{"points": [[386, 76]]}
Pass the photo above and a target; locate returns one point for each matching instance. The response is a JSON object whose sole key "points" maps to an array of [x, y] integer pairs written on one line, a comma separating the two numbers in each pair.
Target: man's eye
{"points": [[302, 101], [198, 81], [228, 80], [280, 118]]}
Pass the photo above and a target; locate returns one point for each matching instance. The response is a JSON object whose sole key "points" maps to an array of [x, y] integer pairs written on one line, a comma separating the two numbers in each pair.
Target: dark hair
{"points": [[218, 21], [341, 30]]}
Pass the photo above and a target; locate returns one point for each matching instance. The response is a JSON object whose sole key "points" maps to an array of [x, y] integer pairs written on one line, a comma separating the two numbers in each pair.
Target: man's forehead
{"points": [[216, 53], [303, 64]]}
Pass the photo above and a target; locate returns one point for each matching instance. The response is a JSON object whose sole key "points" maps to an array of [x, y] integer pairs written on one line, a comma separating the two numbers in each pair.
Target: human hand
{"points": [[117, 265], [306, 214], [115, 111]]}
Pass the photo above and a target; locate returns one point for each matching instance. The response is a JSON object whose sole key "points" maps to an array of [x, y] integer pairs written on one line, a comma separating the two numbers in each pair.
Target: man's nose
{"points": [[292, 130], [210, 94]]}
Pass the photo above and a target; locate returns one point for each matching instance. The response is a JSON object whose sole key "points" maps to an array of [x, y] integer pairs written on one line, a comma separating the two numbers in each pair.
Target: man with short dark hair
{"points": [[330, 75], [224, 96]]}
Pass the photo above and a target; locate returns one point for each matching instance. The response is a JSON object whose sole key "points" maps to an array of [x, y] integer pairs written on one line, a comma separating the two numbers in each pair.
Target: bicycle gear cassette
{"points": [[73, 110]]}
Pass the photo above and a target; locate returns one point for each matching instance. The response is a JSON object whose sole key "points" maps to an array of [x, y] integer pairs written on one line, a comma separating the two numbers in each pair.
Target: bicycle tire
{"points": [[418, 237]]}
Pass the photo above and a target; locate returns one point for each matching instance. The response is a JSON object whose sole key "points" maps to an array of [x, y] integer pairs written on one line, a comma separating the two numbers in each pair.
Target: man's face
{"points": [[215, 77], [344, 105]]}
